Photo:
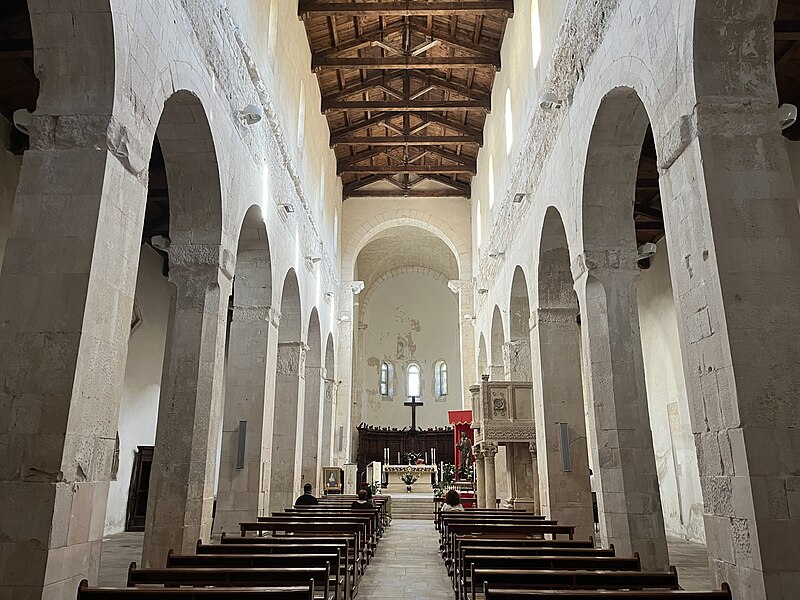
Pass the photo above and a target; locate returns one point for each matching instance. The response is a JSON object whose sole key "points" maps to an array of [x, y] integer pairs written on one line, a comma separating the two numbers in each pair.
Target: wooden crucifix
{"points": [[413, 402]]}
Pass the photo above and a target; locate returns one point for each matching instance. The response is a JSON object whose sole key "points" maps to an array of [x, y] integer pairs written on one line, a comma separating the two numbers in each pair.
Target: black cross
{"points": [[413, 402]]}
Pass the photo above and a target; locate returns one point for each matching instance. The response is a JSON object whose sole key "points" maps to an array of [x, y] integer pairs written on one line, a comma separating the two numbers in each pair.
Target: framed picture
{"points": [[332, 476]]}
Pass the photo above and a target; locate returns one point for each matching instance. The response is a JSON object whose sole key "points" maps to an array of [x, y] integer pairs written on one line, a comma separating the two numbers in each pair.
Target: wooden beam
{"points": [[405, 168], [450, 40], [452, 156], [432, 80], [402, 8], [356, 127], [365, 40], [366, 154], [405, 105], [368, 84], [354, 185], [463, 129], [787, 30], [647, 183], [649, 226], [647, 211], [405, 62], [462, 187], [411, 140], [406, 193]]}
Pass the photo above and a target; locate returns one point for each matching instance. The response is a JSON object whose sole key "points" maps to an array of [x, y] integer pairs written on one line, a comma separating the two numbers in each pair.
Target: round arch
{"points": [[483, 360], [312, 405], [437, 227]]}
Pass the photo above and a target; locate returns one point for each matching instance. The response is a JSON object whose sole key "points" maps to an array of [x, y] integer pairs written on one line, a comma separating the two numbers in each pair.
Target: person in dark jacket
{"points": [[307, 499], [362, 501]]}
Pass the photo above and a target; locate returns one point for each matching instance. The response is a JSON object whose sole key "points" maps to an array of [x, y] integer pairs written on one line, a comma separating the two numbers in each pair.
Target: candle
{"points": [[426, 457], [398, 458]]}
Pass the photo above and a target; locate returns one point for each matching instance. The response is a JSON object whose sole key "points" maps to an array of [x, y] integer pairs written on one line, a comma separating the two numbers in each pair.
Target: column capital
{"points": [[532, 448], [461, 286], [479, 457], [256, 314], [605, 263], [489, 450], [561, 314], [200, 258]]}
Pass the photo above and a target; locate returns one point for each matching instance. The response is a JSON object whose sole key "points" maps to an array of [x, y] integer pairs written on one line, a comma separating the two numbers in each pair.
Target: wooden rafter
{"points": [[403, 8], [409, 140], [405, 62]]}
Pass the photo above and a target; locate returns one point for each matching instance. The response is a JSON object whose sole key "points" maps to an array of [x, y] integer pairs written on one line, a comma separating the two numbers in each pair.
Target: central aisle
{"points": [[407, 565]]}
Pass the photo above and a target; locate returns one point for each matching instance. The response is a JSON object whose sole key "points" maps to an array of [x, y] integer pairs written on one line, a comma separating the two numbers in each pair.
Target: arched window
{"points": [[440, 380], [491, 182], [536, 33], [509, 123], [479, 223], [387, 376], [414, 386], [301, 117]]}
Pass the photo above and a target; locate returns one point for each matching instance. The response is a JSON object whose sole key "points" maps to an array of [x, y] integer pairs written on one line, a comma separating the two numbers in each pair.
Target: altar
{"points": [[423, 474]]}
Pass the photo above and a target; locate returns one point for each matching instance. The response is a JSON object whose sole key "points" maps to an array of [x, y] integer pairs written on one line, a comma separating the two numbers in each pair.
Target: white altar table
{"points": [[422, 472]]}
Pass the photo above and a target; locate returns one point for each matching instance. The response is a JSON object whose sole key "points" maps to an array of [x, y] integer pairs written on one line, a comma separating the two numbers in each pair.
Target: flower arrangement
{"points": [[408, 477], [412, 457], [448, 476]]}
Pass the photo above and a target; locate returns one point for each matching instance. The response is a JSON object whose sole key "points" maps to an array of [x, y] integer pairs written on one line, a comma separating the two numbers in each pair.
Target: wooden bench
{"points": [[226, 560], [296, 592], [288, 544], [516, 562], [532, 529], [357, 528], [525, 518], [566, 579], [234, 577], [490, 593]]}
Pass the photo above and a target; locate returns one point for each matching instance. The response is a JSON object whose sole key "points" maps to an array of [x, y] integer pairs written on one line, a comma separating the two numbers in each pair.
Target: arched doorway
{"points": [[181, 494], [483, 361], [519, 350], [561, 442], [242, 460], [312, 419], [497, 337], [626, 479], [284, 479], [329, 397]]}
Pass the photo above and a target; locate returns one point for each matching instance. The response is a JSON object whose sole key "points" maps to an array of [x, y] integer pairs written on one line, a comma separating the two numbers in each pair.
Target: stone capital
{"points": [[532, 448], [489, 450], [253, 314], [605, 264], [201, 258], [460, 286], [553, 315]]}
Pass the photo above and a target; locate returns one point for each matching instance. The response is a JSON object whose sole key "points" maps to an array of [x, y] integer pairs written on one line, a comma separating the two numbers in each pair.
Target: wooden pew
{"points": [[490, 593], [449, 519], [531, 529], [225, 560], [555, 579], [521, 548], [290, 544], [298, 592], [520, 561], [374, 530], [234, 577], [476, 511], [358, 527]]}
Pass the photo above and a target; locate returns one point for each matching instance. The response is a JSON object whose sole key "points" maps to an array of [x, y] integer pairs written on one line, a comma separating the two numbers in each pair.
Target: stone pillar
{"points": [[312, 425], [523, 475], [466, 311], [627, 483], [66, 296], [480, 479], [497, 372], [287, 443], [517, 360], [240, 490], [491, 476], [565, 495], [345, 359], [184, 462], [328, 399], [535, 485]]}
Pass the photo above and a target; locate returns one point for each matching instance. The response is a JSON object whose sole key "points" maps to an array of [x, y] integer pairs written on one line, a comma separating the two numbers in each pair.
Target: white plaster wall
{"points": [[139, 409], [410, 318], [9, 176], [676, 460]]}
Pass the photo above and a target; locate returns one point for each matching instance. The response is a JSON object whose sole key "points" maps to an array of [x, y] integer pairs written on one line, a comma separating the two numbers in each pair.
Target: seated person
{"points": [[307, 499], [452, 501], [362, 501]]}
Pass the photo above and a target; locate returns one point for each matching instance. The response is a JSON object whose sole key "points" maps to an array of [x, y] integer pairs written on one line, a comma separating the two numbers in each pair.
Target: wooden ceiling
{"points": [[406, 87]]}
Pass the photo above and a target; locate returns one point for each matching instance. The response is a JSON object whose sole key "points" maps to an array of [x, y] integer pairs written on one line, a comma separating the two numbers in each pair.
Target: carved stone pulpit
{"points": [[503, 416]]}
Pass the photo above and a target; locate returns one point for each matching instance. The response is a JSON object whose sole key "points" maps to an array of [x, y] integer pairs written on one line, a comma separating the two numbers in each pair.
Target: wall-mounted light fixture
{"points": [[313, 259], [251, 114], [519, 197], [495, 253], [483, 291], [286, 206], [549, 102]]}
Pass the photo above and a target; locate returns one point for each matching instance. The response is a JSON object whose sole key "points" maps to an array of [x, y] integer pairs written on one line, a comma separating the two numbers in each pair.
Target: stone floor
{"points": [[406, 564]]}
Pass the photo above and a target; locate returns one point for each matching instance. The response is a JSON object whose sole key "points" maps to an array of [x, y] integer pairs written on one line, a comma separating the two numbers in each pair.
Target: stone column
{"points": [[328, 399], [66, 296], [491, 476], [480, 479], [537, 504], [345, 359], [240, 490], [184, 462], [287, 443], [312, 426], [565, 495], [466, 311], [627, 483]]}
